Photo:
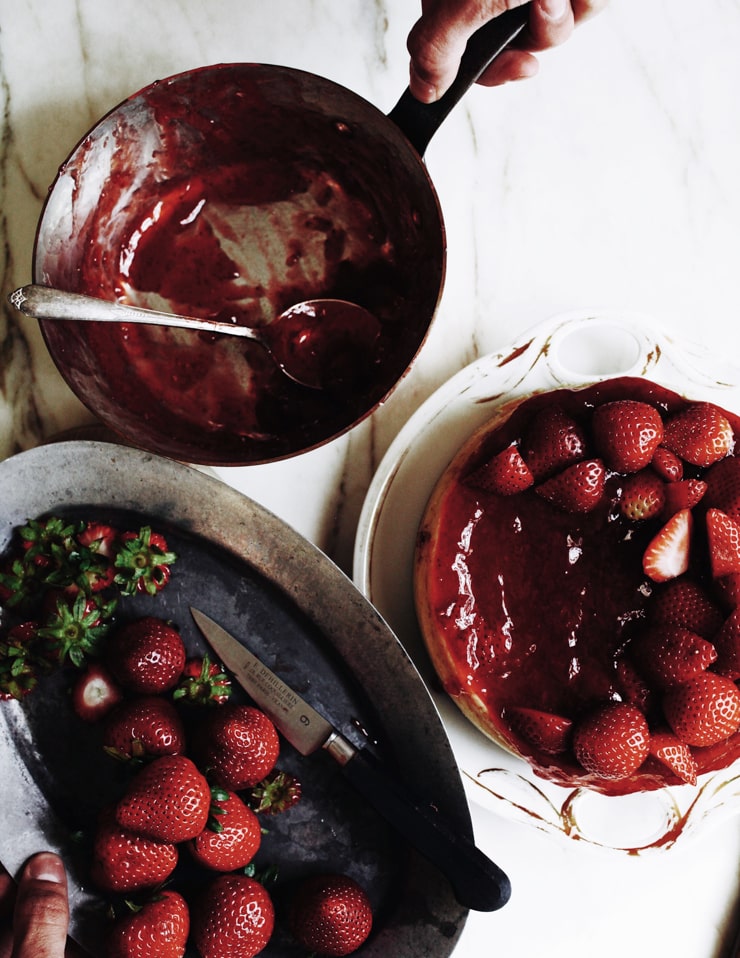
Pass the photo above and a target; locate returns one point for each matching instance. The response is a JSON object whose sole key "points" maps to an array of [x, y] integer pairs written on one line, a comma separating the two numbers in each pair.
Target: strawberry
{"points": [[667, 464], [686, 603], [99, 538], [700, 434], [723, 538], [147, 655], [668, 655], [124, 861], [232, 836], [503, 475], [643, 496], [203, 682], [157, 929], [330, 915], [578, 488], [627, 433], [613, 741], [144, 728], [143, 562], [727, 643], [723, 486], [276, 793], [168, 800], [548, 732], [553, 440], [233, 918], [683, 494], [18, 661], [76, 628], [238, 746], [632, 686], [95, 693], [704, 710], [675, 755], [727, 589], [667, 554]]}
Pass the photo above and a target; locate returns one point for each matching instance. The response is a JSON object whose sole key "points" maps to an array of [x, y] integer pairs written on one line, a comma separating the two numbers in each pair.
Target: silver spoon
{"points": [[317, 343]]}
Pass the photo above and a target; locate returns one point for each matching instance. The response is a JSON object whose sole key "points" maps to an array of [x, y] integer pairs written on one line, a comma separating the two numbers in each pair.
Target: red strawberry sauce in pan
{"points": [[526, 605], [235, 199]]}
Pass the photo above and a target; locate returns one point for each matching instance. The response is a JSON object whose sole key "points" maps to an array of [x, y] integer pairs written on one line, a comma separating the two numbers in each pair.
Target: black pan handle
{"points": [[420, 121]]}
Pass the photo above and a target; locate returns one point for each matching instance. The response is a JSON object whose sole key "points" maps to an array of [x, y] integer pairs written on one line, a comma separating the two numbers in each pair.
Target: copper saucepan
{"points": [[246, 183]]}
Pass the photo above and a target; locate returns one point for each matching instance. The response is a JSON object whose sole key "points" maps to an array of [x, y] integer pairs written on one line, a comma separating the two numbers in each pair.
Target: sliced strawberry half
{"points": [[627, 433], [578, 488], [723, 538], [546, 731], [667, 554], [552, 441], [703, 711], [700, 434], [613, 741], [504, 475], [675, 755]]}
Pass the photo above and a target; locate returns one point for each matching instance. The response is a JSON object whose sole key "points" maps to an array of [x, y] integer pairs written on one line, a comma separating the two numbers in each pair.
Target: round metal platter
{"points": [[299, 613]]}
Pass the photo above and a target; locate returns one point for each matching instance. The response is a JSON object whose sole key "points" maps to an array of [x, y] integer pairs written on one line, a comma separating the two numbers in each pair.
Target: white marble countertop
{"points": [[609, 181]]}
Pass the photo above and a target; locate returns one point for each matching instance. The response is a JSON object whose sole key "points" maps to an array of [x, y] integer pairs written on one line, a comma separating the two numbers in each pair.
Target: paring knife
{"points": [[477, 882]]}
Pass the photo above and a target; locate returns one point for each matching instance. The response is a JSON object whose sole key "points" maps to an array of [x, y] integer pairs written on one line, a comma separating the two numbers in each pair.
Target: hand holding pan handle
{"points": [[420, 121]]}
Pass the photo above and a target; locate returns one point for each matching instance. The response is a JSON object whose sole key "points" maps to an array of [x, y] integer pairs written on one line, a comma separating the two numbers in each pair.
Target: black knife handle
{"points": [[477, 882]]}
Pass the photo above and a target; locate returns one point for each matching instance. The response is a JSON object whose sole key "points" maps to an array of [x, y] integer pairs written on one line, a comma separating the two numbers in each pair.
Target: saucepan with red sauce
{"points": [[232, 192]]}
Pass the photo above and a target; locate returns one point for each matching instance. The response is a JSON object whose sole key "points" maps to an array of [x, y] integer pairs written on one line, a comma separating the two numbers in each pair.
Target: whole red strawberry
{"points": [[232, 836], [203, 682], [95, 693], [144, 728], [703, 711], [238, 745], [158, 929], [675, 755], [143, 562], [553, 440], [669, 654], [147, 655], [504, 474], [233, 918], [686, 603], [627, 432], [545, 730], [331, 915], [700, 434], [168, 800], [578, 488], [643, 495], [723, 540], [613, 741], [124, 861], [723, 486]]}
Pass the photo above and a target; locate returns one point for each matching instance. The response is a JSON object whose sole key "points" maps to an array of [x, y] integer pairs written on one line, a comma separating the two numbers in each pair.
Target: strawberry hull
{"points": [[526, 603]]}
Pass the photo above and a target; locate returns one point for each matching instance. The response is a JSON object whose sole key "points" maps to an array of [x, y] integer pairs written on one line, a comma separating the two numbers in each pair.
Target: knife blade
{"points": [[477, 882]]}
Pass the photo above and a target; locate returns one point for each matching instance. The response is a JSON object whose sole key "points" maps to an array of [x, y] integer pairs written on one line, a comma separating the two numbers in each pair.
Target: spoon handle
{"points": [[420, 121], [43, 302]]}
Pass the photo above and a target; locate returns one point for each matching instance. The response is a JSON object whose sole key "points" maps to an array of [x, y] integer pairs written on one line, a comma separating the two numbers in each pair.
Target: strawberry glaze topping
{"points": [[559, 607]]}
